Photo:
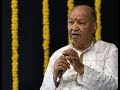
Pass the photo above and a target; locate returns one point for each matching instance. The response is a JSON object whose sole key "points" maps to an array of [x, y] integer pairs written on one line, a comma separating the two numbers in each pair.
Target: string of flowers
{"points": [[70, 5], [46, 35], [97, 8], [14, 32]]}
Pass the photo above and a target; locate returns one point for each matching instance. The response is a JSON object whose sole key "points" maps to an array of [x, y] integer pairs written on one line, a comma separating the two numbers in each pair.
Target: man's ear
{"points": [[94, 27]]}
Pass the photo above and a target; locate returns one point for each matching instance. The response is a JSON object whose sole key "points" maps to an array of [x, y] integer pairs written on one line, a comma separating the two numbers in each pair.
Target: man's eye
{"points": [[71, 22], [83, 23]]}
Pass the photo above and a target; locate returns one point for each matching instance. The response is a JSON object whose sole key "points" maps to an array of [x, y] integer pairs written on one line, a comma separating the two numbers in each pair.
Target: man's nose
{"points": [[75, 26]]}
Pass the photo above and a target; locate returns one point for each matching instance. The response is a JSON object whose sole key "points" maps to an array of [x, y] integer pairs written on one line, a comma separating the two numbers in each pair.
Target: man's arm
{"points": [[48, 82], [102, 80]]}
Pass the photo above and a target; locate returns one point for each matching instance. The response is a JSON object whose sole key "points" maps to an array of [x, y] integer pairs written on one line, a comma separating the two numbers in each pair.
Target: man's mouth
{"points": [[75, 36]]}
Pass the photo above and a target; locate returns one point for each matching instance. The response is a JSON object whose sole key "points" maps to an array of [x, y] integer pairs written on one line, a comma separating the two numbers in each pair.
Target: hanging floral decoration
{"points": [[70, 5], [98, 8], [46, 32], [14, 32]]}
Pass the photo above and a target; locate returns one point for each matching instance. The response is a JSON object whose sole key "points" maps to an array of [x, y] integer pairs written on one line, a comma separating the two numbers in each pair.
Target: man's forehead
{"points": [[81, 10], [82, 6]]}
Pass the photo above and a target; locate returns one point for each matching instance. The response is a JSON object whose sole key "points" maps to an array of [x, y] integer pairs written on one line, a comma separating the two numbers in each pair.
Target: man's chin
{"points": [[75, 41]]}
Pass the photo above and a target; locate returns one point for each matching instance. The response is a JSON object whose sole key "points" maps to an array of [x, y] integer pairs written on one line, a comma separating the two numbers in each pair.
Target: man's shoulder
{"points": [[106, 44]]}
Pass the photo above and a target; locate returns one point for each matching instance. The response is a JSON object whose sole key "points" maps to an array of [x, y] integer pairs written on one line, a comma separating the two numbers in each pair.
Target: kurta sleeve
{"points": [[48, 83], [107, 79]]}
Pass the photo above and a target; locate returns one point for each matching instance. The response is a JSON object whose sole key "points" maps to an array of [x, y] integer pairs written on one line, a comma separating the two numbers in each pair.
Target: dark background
{"points": [[30, 37]]}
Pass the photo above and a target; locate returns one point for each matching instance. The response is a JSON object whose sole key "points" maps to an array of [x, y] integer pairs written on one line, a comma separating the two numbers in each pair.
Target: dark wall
{"points": [[6, 46], [30, 37], [109, 20]]}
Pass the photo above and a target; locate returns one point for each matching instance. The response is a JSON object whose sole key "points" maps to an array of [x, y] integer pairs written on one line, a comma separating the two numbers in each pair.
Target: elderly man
{"points": [[86, 64]]}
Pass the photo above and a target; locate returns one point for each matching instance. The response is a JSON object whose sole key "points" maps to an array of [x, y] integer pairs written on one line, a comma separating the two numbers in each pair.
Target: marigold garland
{"points": [[14, 32], [70, 5], [46, 36], [97, 8]]}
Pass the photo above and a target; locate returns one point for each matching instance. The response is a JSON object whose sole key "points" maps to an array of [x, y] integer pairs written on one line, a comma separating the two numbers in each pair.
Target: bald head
{"points": [[89, 10]]}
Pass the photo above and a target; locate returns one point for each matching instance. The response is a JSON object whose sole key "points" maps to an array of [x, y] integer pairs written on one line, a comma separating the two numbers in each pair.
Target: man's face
{"points": [[80, 26]]}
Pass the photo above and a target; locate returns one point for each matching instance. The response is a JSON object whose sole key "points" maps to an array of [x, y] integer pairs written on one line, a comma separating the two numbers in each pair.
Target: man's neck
{"points": [[85, 46]]}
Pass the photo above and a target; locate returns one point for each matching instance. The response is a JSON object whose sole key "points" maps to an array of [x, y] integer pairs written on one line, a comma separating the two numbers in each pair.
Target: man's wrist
{"points": [[81, 71]]}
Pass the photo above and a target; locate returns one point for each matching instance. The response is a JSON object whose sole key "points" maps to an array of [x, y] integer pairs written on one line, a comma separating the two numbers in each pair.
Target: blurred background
{"points": [[31, 57]]}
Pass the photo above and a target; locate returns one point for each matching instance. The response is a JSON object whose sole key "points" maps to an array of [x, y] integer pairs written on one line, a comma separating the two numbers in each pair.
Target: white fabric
{"points": [[100, 69]]}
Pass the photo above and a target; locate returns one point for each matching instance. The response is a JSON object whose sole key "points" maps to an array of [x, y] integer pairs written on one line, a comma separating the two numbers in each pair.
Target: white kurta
{"points": [[100, 69]]}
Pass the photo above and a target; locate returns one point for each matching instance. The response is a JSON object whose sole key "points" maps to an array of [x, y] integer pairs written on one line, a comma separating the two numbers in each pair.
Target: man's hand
{"points": [[60, 64], [72, 56], [63, 63]]}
